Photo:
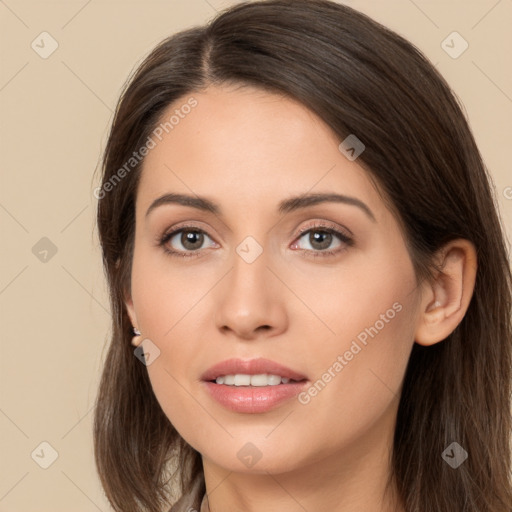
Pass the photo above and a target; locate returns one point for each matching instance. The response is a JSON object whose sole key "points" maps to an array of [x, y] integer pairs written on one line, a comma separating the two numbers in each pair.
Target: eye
{"points": [[186, 241], [322, 240]]}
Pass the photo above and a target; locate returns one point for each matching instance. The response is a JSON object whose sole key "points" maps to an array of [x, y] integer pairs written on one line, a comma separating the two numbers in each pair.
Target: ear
{"points": [[446, 300], [130, 309]]}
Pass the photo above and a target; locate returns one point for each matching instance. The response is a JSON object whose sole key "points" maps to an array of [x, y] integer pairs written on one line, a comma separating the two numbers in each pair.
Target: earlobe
{"points": [[137, 338], [447, 298]]}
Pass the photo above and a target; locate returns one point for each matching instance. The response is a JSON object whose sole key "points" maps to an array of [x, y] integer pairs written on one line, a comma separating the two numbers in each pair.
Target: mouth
{"points": [[258, 380], [253, 386], [252, 372]]}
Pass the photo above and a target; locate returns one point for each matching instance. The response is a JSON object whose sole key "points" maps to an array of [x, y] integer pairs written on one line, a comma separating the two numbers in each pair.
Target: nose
{"points": [[250, 301]]}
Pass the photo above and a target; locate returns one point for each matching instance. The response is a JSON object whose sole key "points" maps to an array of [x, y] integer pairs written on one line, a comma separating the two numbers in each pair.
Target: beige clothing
{"points": [[195, 501]]}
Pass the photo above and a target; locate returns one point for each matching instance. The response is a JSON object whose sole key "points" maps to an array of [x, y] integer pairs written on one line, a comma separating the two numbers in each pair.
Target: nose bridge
{"points": [[250, 272], [249, 297], [249, 277]]}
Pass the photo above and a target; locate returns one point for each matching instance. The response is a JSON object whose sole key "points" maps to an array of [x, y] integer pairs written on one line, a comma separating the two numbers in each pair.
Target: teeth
{"points": [[241, 379]]}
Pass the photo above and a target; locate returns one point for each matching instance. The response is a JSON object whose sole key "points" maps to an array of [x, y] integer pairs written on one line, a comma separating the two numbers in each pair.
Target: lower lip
{"points": [[255, 399]]}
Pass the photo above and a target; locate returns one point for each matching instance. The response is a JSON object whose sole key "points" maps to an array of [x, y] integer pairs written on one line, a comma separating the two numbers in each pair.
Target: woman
{"points": [[309, 279]]}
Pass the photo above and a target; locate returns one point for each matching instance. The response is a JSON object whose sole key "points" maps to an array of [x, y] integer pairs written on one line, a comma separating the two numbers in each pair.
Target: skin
{"points": [[247, 150]]}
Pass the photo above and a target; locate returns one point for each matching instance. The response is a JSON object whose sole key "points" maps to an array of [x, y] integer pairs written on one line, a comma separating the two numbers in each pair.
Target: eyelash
{"points": [[319, 227]]}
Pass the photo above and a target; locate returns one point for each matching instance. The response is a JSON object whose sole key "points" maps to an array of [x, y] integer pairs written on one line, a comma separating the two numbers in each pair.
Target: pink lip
{"points": [[248, 399]]}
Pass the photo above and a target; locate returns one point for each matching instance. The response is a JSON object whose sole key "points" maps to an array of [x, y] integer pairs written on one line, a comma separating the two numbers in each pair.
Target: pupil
{"points": [[320, 237], [188, 239]]}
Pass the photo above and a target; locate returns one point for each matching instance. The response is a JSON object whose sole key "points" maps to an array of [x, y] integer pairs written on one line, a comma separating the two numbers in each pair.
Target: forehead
{"points": [[248, 145]]}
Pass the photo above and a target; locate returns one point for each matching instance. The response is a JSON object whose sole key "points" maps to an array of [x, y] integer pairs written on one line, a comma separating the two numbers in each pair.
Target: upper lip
{"points": [[250, 367]]}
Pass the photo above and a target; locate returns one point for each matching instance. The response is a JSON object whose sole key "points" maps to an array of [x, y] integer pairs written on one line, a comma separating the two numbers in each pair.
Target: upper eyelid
{"points": [[326, 225], [302, 213], [316, 224]]}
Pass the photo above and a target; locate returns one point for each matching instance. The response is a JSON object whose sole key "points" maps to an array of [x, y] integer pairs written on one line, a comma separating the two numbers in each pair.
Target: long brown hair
{"points": [[360, 78]]}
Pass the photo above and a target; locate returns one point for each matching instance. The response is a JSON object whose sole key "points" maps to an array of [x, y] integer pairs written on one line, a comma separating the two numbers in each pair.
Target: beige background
{"points": [[55, 113]]}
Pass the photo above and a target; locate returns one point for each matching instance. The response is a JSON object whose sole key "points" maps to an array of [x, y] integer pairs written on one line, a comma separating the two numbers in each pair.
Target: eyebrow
{"points": [[286, 206]]}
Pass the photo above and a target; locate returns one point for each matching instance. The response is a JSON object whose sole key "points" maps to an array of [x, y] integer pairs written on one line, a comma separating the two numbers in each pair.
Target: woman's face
{"points": [[325, 289]]}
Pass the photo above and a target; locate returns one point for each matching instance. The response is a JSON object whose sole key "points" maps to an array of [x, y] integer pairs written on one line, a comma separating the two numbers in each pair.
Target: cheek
{"points": [[358, 375], [164, 294], [370, 296], [370, 308], [167, 304]]}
